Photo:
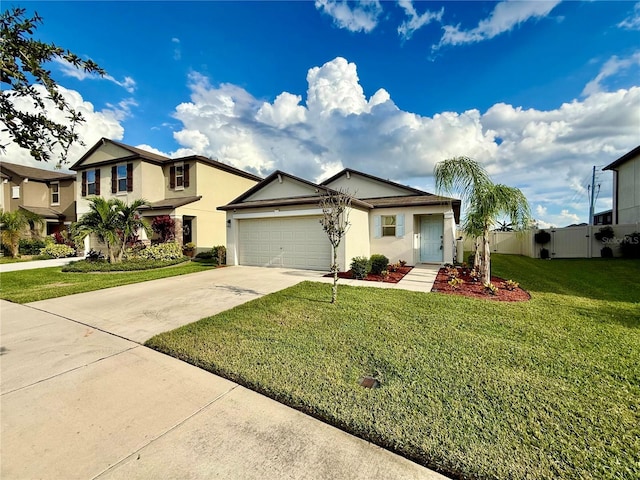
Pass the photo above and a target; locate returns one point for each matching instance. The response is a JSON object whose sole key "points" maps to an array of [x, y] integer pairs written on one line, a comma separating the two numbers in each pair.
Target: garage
{"points": [[292, 242]]}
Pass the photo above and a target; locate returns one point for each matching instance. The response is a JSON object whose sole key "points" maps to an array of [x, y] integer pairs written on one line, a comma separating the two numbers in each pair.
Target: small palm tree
{"points": [[131, 223], [103, 221], [13, 224], [485, 202], [113, 222]]}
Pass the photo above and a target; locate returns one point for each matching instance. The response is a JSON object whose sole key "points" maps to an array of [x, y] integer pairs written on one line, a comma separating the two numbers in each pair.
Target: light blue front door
{"points": [[431, 232]]}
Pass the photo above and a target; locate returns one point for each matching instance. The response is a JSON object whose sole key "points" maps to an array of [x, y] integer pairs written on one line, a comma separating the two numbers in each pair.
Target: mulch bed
{"points": [[393, 277], [476, 289]]}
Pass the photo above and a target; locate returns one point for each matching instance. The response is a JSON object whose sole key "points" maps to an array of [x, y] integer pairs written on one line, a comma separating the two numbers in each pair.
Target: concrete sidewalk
{"points": [[81, 403]]}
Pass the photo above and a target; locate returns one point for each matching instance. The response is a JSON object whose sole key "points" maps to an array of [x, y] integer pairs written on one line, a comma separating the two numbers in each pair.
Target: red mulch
{"points": [[393, 277], [476, 290]]}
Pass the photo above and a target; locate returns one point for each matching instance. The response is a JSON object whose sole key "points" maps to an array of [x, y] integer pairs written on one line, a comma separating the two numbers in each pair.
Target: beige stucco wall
{"points": [[362, 187], [356, 242], [628, 199], [408, 247], [194, 169], [217, 188], [147, 184], [289, 188], [107, 151]]}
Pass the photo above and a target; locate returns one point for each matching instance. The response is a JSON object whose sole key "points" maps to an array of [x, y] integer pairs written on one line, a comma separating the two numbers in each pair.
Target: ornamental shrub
{"points": [[360, 266], [58, 251], [162, 251], [30, 246], [542, 237], [165, 227], [378, 263], [220, 254]]}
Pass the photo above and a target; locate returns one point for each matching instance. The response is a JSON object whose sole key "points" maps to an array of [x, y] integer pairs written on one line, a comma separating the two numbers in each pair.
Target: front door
{"points": [[187, 232], [431, 244]]}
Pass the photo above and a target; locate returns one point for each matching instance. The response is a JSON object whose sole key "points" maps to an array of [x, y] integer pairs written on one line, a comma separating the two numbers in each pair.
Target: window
{"points": [[179, 176], [122, 178], [91, 182], [15, 192], [388, 225], [54, 188]]}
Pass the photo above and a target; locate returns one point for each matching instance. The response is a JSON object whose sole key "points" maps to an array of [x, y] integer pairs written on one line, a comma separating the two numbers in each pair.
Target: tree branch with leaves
{"points": [[23, 61], [336, 206]]}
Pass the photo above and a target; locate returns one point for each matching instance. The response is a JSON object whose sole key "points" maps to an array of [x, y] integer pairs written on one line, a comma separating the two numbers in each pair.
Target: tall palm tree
{"points": [[131, 223], [13, 224], [485, 202]]}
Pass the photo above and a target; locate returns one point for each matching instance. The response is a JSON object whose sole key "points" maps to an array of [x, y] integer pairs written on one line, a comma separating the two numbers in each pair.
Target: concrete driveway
{"points": [[81, 398], [141, 310]]}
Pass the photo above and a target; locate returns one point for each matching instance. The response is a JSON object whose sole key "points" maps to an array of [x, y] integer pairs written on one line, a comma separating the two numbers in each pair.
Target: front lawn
{"points": [[42, 283], [548, 388]]}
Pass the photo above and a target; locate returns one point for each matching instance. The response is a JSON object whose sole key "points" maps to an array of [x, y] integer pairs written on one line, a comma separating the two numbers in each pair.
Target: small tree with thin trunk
{"points": [[13, 226], [335, 207]]}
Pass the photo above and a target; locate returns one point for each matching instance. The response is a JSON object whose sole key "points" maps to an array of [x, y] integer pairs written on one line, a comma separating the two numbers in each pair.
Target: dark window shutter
{"points": [[186, 175], [172, 177], [84, 184], [114, 179], [129, 177], [97, 181]]}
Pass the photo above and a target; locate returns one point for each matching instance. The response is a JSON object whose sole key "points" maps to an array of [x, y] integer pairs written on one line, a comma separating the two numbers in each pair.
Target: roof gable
{"points": [[363, 186], [624, 159], [280, 185], [106, 150]]}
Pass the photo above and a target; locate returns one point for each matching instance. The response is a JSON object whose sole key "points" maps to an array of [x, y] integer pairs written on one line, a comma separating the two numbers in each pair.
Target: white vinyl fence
{"points": [[569, 242]]}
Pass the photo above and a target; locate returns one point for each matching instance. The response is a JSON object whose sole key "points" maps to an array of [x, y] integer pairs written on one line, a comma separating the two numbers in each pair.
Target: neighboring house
{"points": [[277, 223], [626, 187], [50, 194], [603, 218], [187, 189]]}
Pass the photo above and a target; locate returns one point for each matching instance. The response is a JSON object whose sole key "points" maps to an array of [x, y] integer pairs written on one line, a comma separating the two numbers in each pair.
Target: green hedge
{"points": [[84, 266]]}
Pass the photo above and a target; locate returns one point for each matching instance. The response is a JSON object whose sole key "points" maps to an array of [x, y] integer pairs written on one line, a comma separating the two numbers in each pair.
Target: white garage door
{"points": [[294, 242]]}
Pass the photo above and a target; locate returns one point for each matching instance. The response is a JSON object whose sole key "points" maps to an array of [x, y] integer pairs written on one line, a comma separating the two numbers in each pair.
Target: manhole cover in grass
{"points": [[368, 382]]}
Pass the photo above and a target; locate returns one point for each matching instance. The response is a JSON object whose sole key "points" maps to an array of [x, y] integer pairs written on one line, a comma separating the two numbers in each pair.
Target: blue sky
{"points": [[539, 92]]}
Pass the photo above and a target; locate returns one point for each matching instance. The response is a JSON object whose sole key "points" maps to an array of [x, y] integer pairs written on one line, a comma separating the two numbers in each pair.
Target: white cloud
{"points": [[504, 17], [360, 16], [177, 51], [546, 153], [632, 22], [416, 22], [70, 70], [105, 123], [612, 67]]}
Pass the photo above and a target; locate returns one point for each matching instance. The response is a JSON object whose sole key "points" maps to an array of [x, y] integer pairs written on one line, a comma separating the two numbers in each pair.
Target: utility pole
{"points": [[593, 195]]}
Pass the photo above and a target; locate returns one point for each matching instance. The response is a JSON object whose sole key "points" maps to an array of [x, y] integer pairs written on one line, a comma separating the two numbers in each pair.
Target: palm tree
{"points": [[103, 221], [131, 223], [485, 202], [113, 222], [13, 225]]}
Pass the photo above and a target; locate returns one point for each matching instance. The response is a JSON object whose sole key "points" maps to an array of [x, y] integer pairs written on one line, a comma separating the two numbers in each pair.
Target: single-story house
{"points": [[277, 223]]}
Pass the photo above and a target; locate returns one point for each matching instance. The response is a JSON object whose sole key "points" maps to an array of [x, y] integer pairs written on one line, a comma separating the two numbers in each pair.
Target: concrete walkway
{"points": [[33, 264], [82, 399]]}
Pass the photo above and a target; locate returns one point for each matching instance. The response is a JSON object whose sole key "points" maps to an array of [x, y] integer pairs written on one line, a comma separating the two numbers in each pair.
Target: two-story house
{"points": [[626, 187], [49, 194], [188, 189]]}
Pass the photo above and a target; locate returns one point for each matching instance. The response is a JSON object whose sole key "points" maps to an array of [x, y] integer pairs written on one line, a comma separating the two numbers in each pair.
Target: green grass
{"points": [[548, 388], [39, 284]]}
